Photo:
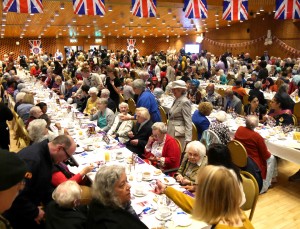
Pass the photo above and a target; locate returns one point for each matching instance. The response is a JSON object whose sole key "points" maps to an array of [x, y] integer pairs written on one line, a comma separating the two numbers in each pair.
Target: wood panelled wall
{"points": [[286, 30]]}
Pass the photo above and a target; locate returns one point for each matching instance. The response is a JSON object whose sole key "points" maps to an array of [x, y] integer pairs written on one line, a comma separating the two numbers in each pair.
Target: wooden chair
{"points": [[251, 191], [238, 153], [295, 120], [22, 136], [179, 144], [245, 100], [163, 114], [132, 106], [297, 111], [194, 133], [209, 137]]}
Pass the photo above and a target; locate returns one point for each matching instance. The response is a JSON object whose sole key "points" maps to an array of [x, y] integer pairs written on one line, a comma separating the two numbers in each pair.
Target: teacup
{"points": [[164, 211], [139, 190], [146, 175]]}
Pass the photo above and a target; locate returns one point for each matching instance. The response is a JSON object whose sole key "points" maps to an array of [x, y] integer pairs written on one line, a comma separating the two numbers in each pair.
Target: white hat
{"points": [[179, 84], [221, 116]]}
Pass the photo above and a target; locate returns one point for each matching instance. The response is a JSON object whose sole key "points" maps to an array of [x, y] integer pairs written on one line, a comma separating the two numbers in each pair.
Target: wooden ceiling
{"points": [[119, 21]]}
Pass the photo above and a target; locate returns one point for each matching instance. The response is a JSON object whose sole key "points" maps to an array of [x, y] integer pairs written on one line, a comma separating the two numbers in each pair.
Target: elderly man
{"points": [[105, 93], [11, 181], [257, 150], [34, 113], [90, 79], [26, 211], [146, 99], [256, 91], [251, 81], [70, 89], [212, 96], [232, 102], [141, 131]]}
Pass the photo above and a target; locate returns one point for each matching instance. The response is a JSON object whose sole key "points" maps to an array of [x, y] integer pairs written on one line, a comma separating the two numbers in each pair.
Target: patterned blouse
{"points": [[221, 130]]}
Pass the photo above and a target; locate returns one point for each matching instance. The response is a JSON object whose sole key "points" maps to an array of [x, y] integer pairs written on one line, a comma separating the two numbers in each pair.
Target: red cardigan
{"points": [[170, 152], [255, 146], [58, 177]]}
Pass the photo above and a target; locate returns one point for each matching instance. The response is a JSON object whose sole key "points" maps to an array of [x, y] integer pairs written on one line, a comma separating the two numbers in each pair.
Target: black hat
{"points": [[12, 169]]}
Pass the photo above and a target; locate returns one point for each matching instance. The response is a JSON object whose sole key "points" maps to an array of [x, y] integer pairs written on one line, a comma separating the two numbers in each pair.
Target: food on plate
{"points": [[166, 180], [157, 172]]}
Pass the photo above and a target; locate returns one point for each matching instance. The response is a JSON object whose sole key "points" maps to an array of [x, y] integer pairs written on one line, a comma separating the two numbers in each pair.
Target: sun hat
{"points": [[179, 84]]}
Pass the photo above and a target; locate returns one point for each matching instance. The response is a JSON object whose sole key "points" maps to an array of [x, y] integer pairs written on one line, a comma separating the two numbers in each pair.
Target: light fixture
{"points": [[52, 19], [110, 8], [39, 36], [192, 22], [143, 41], [113, 21], [88, 25], [98, 40], [123, 26], [163, 22], [131, 21], [28, 19], [139, 26], [62, 6], [157, 16], [89, 36], [109, 34], [148, 22], [174, 18], [199, 38], [178, 22], [257, 12], [74, 20], [60, 33], [94, 21], [73, 40], [106, 25], [103, 36], [217, 14], [56, 14], [261, 9], [167, 40], [169, 11]]}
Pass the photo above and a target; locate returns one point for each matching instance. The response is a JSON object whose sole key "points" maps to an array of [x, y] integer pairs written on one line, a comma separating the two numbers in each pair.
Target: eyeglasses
{"points": [[68, 155]]}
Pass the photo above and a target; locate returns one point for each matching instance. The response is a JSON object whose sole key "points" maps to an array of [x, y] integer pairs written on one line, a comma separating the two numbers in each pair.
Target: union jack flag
{"points": [[144, 8], [195, 8], [287, 9], [35, 46], [89, 7], [234, 10], [23, 6]]}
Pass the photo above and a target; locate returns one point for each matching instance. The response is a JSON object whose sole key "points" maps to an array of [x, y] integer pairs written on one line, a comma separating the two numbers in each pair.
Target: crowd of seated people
{"points": [[95, 91]]}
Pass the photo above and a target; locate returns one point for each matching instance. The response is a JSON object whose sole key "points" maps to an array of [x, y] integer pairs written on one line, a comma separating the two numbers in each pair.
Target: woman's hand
{"points": [[179, 178], [185, 181], [86, 170], [190, 188], [150, 140], [134, 142], [130, 134], [93, 111], [160, 187]]}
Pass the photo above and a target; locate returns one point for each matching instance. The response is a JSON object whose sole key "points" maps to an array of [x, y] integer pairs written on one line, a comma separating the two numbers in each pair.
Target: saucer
{"points": [[139, 195], [158, 216], [168, 180], [147, 178]]}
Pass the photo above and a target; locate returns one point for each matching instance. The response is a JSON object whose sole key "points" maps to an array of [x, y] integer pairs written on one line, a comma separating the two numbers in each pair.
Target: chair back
{"points": [[251, 192], [163, 115], [22, 136], [221, 91], [295, 120], [297, 111], [194, 133], [245, 99], [238, 153], [132, 106], [121, 98], [209, 137], [179, 144]]}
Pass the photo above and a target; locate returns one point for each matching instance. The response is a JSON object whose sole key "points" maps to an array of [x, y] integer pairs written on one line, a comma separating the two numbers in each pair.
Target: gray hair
{"points": [[36, 130], [251, 122], [221, 116], [105, 92], [66, 194], [160, 126], [138, 84], [20, 96], [102, 101], [21, 86], [197, 147], [93, 90], [103, 186], [123, 104], [34, 110], [257, 85], [69, 83]]}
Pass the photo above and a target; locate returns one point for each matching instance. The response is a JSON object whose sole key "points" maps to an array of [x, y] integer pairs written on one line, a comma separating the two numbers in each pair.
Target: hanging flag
{"points": [[23, 6], [234, 10], [195, 8], [89, 7], [144, 8], [35, 46], [131, 44], [287, 9]]}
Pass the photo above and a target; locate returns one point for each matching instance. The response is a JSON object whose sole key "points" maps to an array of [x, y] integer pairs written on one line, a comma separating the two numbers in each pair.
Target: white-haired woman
{"points": [[162, 149], [64, 211], [37, 131], [105, 117], [220, 128], [194, 158], [91, 102], [111, 206], [121, 128]]}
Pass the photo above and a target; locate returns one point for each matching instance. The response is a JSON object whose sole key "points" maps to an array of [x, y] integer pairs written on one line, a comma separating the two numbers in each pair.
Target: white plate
{"points": [[168, 180], [284, 138], [139, 195], [157, 216], [182, 220], [79, 150], [157, 174], [147, 179]]}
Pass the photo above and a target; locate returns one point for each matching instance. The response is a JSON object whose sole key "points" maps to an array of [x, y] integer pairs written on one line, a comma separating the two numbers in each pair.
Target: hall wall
{"points": [[286, 30]]}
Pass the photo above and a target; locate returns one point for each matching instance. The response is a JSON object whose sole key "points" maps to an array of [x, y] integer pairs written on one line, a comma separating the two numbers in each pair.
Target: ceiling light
{"points": [[74, 20], [56, 14], [131, 21], [113, 21], [94, 21], [139, 26], [123, 26], [261, 9], [52, 19], [157, 16], [62, 6], [257, 12], [28, 19], [148, 22], [106, 25], [169, 11], [110, 8], [217, 14], [174, 18], [163, 22]]}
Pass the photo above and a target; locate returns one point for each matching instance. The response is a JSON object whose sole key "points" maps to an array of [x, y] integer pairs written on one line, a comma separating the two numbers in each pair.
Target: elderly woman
{"points": [[280, 111], [37, 131], [19, 99], [111, 207], [34, 113], [219, 196], [92, 101], [141, 131], [24, 108], [162, 149], [59, 86], [180, 120], [199, 117], [121, 128], [105, 116], [64, 211], [128, 90], [194, 158], [219, 128]]}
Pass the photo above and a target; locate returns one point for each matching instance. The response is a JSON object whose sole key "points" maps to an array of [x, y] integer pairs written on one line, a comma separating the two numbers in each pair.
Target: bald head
{"points": [[229, 93], [210, 88], [251, 122]]}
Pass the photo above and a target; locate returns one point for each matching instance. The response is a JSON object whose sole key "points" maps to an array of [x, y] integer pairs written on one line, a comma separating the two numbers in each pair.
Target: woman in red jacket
{"points": [[162, 150]]}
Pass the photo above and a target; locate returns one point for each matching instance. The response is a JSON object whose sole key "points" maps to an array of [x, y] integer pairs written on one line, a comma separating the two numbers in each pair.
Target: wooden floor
{"points": [[279, 208]]}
